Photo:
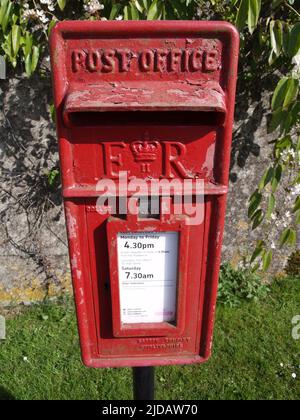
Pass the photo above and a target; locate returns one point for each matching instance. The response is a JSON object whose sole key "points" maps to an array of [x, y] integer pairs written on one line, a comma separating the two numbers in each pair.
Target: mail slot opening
{"points": [[81, 119], [149, 207]]}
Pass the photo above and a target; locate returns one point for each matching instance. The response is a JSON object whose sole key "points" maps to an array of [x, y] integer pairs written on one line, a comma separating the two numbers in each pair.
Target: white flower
{"points": [[296, 62], [93, 6], [294, 376], [120, 17], [33, 14], [296, 59], [30, 14], [25, 359], [288, 154], [295, 191], [281, 365], [49, 4]]}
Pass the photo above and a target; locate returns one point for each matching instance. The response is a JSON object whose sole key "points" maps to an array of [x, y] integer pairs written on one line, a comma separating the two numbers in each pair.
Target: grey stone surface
{"points": [[33, 250]]}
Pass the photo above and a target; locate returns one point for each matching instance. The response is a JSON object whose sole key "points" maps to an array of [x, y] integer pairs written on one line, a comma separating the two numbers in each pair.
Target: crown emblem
{"points": [[145, 151]]}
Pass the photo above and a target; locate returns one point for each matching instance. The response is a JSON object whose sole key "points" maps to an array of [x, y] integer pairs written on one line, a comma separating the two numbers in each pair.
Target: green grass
{"points": [[40, 358]]}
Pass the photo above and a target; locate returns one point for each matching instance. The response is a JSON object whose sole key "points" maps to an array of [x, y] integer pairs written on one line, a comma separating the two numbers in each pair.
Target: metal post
{"points": [[143, 383]]}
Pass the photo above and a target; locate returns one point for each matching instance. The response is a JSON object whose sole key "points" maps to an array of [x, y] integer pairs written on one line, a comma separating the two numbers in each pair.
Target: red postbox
{"points": [[142, 103]]}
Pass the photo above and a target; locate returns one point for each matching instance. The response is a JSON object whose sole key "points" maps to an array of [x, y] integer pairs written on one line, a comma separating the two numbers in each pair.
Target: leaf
{"points": [[254, 203], [278, 119], [35, 58], [297, 180], [242, 15], [293, 238], [28, 65], [257, 252], [288, 237], [280, 93], [272, 58], [297, 220], [277, 177], [292, 92], [31, 60], [294, 40], [53, 176], [16, 38], [296, 205], [140, 6], [14, 19], [276, 32], [254, 7], [6, 17], [127, 13], [267, 259], [62, 4], [271, 206], [285, 37], [3, 9], [155, 10], [281, 145], [53, 112], [115, 10], [134, 13], [51, 25], [266, 179], [292, 116], [27, 48], [257, 219]]}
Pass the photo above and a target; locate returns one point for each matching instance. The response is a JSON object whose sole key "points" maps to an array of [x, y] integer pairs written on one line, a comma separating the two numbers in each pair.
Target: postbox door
{"points": [[107, 277]]}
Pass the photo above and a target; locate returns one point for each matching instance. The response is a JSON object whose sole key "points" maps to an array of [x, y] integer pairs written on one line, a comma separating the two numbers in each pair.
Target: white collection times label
{"points": [[148, 272]]}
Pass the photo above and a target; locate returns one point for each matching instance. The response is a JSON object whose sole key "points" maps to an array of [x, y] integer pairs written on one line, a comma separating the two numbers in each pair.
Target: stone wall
{"points": [[33, 250]]}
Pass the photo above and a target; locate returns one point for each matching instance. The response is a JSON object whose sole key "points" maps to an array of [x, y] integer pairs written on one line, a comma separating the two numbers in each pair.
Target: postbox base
{"points": [[151, 361]]}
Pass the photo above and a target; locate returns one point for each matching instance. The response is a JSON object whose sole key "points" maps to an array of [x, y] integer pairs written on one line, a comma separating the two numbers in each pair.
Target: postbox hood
{"points": [[188, 95]]}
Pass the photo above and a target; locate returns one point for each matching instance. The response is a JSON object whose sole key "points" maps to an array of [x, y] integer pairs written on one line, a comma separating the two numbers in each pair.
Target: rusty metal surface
{"points": [[168, 70], [149, 96]]}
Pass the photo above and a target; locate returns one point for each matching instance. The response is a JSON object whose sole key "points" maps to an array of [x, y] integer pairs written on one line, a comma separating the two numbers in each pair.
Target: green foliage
{"points": [[40, 359], [17, 43], [237, 286], [53, 177]]}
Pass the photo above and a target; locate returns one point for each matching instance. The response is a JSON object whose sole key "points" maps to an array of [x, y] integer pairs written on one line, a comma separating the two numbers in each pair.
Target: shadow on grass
{"points": [[6, 395]]}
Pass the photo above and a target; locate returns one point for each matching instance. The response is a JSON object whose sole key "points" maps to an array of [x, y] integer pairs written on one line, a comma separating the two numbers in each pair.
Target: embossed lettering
{"points": [[149, 60], [211, 60], [125, 58], [172, 161], [108, 61], [78, 60], [196, 60], [186, 60], [161, 60], [176, 57], [93, 61], [110, 159]]}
